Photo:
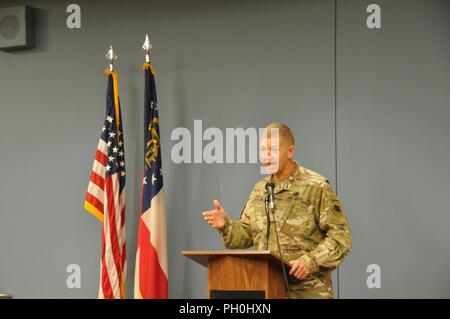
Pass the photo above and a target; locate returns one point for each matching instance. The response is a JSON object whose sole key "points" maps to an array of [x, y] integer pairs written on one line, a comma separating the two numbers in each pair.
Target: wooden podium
{"points": [[236, 274]]}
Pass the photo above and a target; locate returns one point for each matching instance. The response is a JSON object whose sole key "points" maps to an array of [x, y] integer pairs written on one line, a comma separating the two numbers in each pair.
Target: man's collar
{"points": [[286, 184]]}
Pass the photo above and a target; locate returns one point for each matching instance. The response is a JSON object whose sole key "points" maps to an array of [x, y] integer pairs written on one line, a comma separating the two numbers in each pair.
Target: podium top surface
{"points": [[203, 256]]}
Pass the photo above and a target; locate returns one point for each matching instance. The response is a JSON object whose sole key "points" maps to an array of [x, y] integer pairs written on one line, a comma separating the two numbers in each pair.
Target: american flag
{"points": [[151, 278], [105, 197]]}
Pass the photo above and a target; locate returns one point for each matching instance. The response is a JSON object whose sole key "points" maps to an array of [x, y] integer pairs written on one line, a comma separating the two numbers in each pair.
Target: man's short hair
{"points": [[284, 132]]}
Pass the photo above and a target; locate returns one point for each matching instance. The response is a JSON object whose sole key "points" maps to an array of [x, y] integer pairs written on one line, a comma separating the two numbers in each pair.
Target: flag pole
{"points": [[111, 56]]}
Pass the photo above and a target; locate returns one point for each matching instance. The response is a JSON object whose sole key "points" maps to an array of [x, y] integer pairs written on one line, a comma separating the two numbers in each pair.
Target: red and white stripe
{"points": [[104, 201], [151, 272]]}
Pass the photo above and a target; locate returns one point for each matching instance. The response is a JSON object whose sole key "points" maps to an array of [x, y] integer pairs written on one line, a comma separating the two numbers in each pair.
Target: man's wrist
{"points": [[224, 229], [310, 263]]}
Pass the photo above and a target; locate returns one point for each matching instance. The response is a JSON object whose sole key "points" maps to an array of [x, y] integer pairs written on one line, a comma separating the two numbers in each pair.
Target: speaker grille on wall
{"points": [[16, 28]]}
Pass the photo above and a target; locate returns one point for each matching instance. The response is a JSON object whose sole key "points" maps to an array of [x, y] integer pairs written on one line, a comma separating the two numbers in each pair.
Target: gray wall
{"points": [[393, 132], [231, 64]]}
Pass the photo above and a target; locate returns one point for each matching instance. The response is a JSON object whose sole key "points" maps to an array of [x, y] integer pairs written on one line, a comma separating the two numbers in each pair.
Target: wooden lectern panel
{"points": [[236, 273], [242, 270]]}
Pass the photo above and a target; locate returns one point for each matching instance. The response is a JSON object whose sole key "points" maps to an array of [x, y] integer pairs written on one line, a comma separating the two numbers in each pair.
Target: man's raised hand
{"points": [[215, 217]]}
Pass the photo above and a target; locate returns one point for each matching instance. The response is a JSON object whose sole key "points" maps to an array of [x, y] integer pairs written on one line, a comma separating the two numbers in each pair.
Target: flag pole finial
{"points": [[147, 46], [111, 56]]}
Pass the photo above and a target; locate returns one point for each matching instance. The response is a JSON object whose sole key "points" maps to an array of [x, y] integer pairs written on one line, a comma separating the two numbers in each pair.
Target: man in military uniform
{"points": [[314, 233]]}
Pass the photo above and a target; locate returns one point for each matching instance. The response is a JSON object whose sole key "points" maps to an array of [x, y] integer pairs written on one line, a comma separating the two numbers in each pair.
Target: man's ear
{"points": [[291, 151]]}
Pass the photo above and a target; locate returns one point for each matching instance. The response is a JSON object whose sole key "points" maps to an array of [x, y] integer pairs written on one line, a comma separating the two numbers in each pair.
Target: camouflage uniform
{"points": [[311, 226]]}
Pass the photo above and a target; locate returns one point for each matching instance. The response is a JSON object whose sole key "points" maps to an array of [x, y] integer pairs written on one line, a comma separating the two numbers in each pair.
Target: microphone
{"points": [[269, 188]]}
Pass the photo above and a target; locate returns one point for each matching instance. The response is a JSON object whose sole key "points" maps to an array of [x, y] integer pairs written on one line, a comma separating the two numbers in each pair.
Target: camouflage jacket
{"points": [[311, 226]]}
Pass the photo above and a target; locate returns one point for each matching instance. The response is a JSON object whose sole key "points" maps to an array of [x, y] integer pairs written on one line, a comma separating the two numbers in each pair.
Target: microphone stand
{"points": [[267, 207]]}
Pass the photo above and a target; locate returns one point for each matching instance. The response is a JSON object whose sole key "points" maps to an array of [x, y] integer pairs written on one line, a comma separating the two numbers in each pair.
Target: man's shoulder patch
{"points": [[337, 209]]}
